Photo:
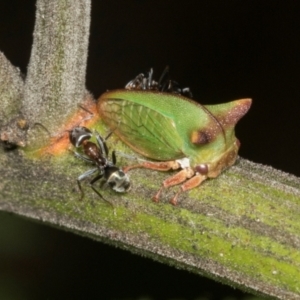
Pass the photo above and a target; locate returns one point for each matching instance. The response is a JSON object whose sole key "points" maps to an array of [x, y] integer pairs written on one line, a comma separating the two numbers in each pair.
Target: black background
{"points": [[222, 50]]}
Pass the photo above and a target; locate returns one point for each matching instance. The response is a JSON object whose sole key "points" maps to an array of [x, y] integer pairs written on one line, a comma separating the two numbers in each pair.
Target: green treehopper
{"points": [[176, 132]]}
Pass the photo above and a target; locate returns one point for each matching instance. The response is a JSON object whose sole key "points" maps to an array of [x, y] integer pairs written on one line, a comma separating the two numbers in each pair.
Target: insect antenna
{"points": [[42, 126], [88, 111]]}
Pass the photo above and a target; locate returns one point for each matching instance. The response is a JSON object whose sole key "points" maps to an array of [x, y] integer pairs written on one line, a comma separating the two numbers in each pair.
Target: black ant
{"points": [[164, 84], [97, 154]]}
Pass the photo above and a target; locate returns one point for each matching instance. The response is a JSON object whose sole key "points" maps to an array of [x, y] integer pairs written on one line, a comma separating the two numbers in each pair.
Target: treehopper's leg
{"points": [[174, 180], [158, 166], [178, 178], [190, 184]]}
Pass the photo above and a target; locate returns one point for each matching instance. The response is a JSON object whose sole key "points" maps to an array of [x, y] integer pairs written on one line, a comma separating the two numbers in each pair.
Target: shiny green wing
{"points": [[145, 130]]}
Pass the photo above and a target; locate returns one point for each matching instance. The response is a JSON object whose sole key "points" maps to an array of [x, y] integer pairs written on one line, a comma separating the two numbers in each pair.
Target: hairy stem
{"points": [[55, 81], [241, 228]]}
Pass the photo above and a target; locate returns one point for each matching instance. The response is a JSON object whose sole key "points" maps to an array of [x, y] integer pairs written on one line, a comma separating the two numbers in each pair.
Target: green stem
{"points": [[241, 228]]}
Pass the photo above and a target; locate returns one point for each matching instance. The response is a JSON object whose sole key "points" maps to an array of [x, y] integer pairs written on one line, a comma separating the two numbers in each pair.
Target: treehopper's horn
{"points": [[228, 114]]}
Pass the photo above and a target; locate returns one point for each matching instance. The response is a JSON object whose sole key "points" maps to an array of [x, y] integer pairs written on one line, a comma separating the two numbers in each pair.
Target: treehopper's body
{"points": [[169, 127]]}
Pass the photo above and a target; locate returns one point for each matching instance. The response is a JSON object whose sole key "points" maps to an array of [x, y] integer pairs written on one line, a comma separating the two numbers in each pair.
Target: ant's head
{"points": [[117, 179]]}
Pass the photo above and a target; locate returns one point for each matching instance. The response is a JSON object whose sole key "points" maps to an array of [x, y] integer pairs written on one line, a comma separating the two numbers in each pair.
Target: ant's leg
{"points": [[163, 77], [149, 80], [78, 155], [109, 134], [99, 176], [83, 176], [101, 143], [113, 157]]}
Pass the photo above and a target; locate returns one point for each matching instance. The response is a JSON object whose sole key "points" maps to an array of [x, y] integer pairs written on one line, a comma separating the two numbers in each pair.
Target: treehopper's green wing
{"points": [[144, 129], [166, 126]]}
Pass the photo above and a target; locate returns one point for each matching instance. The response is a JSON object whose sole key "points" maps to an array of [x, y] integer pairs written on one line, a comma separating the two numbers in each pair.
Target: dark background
{"points": [[222, 50]]}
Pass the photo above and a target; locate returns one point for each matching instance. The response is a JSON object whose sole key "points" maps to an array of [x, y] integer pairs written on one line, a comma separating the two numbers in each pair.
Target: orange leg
{"points": [[159, 166], [190, 184], [181, 176], [174, 180]]}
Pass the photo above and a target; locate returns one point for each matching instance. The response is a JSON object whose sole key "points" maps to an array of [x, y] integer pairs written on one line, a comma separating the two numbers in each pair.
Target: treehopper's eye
{"points": [[202, 169]]}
